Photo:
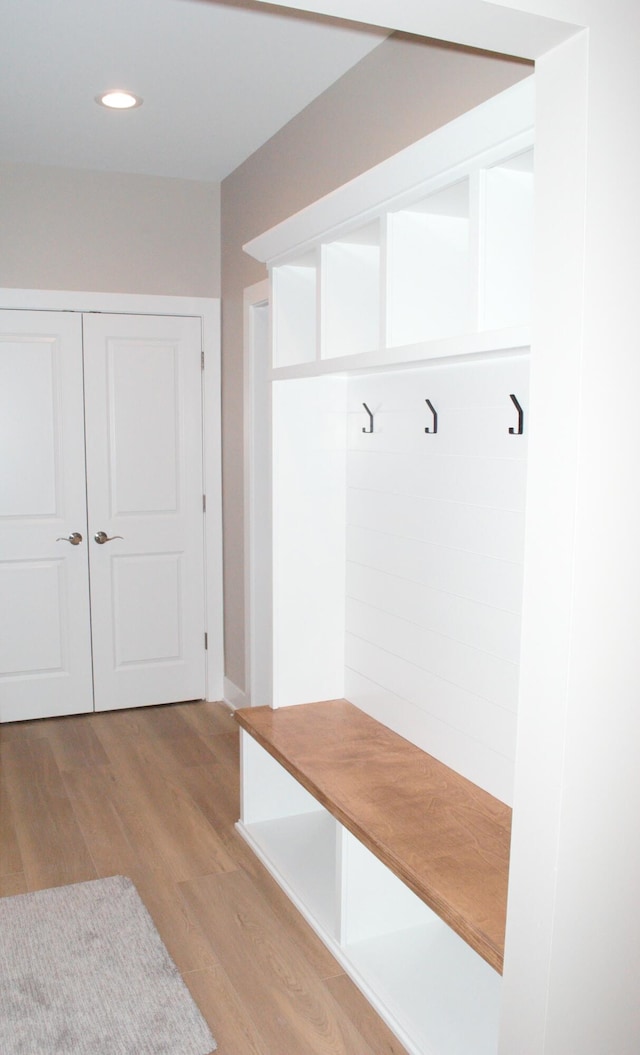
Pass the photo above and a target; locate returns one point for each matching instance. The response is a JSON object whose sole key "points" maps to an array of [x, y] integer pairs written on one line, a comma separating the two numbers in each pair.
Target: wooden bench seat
{"points": [[444, 837]]}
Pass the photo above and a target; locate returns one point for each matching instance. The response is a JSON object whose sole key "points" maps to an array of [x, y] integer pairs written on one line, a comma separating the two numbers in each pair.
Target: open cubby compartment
{"points": [[428, 267], [432, 988], [295, 837], [294, 293], [351, 292], [506, 242]]}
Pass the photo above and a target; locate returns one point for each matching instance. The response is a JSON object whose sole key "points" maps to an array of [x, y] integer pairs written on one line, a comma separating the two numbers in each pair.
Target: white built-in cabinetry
{"points": [[401, 310]]}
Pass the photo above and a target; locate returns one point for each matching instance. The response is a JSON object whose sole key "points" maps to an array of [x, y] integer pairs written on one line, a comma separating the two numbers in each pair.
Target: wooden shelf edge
{"points": [[486, 947]]}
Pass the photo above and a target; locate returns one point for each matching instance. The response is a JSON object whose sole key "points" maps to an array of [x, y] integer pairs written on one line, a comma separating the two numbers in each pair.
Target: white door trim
{"points": [[208, 310], [257, 516]]}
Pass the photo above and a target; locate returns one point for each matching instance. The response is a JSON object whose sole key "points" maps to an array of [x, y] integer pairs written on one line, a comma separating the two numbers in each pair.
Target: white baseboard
{"points": [[233, 696]]}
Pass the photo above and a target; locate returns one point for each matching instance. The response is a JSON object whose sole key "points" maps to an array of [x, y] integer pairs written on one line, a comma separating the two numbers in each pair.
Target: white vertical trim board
{"points": [[309, 427], [257, 497], [212, 449]]}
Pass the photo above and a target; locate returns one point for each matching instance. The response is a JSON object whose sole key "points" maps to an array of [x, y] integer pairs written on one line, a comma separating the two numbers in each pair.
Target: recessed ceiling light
{"points": [[119, 99]]}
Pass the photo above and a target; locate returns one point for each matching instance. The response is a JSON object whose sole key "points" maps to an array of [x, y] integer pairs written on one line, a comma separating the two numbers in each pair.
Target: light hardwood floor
{"points": [[153, 794]]}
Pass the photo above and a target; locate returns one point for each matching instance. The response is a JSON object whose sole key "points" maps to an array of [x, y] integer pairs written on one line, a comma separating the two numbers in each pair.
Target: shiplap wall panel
{"points": [[446, 657], [434, 559], [481, 480], [480, 625], [486, 580], [458, 525], [463, 710]]}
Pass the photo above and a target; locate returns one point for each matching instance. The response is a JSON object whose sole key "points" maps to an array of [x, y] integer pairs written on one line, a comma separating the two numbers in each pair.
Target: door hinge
{"points": [[204, 503], [202, 359], [206, 641]]}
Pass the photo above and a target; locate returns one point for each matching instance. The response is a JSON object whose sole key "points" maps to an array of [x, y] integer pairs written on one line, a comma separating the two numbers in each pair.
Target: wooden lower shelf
{"points": [[444, 837]]}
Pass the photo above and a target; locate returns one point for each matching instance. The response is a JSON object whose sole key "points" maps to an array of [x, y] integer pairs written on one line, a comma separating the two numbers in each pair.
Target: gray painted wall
{"points": [[108, 232], [399, 93]]}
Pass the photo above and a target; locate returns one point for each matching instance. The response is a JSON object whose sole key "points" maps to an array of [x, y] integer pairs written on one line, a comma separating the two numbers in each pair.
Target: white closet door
{"points": [[144, 483], [45, 648]]}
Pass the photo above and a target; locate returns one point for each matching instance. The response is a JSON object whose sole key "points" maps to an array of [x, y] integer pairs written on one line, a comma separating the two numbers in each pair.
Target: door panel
{"points": [[45, 648], [144, 472]]}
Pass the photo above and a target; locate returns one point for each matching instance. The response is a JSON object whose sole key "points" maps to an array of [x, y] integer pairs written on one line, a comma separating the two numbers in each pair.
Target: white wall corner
{"points": [[233, 696]]}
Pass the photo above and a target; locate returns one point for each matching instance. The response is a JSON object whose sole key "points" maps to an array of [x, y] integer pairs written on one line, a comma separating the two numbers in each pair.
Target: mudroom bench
{"points": [[391, 856]]}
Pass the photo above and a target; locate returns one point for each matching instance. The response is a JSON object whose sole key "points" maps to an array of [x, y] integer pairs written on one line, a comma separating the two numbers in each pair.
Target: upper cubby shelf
{"points": [[427, 255], [294, 296], [350, 293], [429, 272]]}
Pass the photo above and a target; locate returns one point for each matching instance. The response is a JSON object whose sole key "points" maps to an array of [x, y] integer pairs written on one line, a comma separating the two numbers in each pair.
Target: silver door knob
{"points": [[101, 537], [75, 539]]}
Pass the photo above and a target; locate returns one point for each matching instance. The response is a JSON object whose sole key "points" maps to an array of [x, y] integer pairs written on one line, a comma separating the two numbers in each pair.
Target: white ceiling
{"points": [[218, 78]]}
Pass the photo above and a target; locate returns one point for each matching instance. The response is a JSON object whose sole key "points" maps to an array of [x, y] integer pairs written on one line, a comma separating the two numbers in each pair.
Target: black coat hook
{"points": [[520, 428], [435, 417], [370, 429]]}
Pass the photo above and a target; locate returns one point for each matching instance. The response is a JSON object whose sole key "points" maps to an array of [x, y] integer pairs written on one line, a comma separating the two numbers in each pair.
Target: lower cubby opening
{"points": [[432, 989], [300, 852], [436, 992]]}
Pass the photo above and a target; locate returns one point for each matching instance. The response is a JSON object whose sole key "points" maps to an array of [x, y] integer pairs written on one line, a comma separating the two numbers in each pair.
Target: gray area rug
{"points": [[83, 971]]}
